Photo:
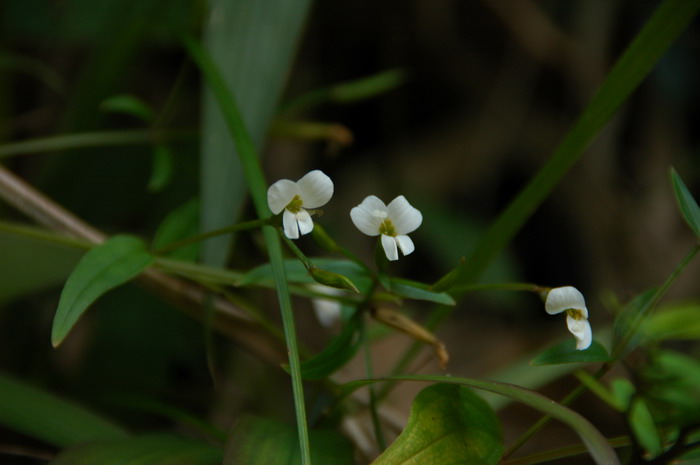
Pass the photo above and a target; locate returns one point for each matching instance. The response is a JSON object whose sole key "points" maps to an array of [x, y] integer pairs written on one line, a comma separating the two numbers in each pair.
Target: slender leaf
{"points": [[565, 352], [686, 203], [128, 104], [180, 224], [253, 44], [45, 417], [448, 424], [260, 441], [667, 22], [144, 450], [675, 322], [161, 168], [111, 264], [599, 448], [419, 291], [643, 427]]}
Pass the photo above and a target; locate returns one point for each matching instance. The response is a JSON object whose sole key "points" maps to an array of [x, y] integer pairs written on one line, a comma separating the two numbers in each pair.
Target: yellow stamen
{"points": [[295, 205], [387, 228]]}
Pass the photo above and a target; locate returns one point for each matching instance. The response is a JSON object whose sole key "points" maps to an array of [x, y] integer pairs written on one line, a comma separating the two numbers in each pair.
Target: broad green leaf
{"points": [[336, 354], [260, 441], [253, 43], [565, 352], [665, 25], [686, 203], [599, 448], [33, 260], [643, 427], [108, 265], [128, 104], [448, 424], [674, 322], [143, 450], [180, 224], [50, 419], [419, 291]]}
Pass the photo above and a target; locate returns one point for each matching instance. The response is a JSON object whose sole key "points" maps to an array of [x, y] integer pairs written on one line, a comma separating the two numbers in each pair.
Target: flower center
{"points": [[295, 205], [576, 314], [387, 228]]}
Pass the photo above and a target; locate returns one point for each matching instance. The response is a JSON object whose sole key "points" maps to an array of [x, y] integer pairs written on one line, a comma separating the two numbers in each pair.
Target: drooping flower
{"points": [[393, 222], [313, 190], [568, 299]]}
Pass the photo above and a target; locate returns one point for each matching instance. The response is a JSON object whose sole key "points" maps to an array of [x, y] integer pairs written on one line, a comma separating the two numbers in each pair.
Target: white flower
{"points": [[314, 190], [328, 311], [393, 222], [568, 299]]}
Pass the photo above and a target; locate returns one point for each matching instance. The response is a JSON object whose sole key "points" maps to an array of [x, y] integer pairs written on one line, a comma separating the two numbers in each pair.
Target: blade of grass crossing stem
{"points": [[668, 21], [258, 192], [253, 44]]}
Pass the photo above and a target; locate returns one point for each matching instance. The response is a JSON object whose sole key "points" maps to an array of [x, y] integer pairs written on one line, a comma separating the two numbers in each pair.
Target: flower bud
{"points": [[332, 279]]}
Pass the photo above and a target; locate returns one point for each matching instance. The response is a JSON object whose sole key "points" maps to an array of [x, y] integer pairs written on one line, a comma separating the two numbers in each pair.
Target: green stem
{"points": [[376, 424], [258, 192], [253, 224]]}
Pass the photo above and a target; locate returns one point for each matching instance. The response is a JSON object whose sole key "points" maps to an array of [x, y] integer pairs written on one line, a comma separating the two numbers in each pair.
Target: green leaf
{"points": [[110, 264], [143, 450], [643, 427], [296, 272], [674, 322], [622, 391], [627, 320], [566, 352], [253, 43], [686, 203], [180, 224], [260, 441], [128, 104], [336, 354], [161, 168], [45, 417], [448, 424], [419, 291], [666, 24], [599, 448]]}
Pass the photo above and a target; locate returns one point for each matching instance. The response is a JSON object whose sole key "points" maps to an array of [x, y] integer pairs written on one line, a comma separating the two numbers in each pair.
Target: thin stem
{"points": [[253, 224], [376, 424]]}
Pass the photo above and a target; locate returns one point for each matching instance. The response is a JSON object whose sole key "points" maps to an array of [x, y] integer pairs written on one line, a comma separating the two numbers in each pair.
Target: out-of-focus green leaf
{"points": [[565, 352], [260, 441], [45, 417], [161, 168], [643, 427], [180, 224], [419, 291], [336, 354], [627, 319], [674, 322], [622, 391], [686, 203], [665, 25], [448, 424], [128, 104], [144, 450], [253, 44], [110, 264], [32, 261]]}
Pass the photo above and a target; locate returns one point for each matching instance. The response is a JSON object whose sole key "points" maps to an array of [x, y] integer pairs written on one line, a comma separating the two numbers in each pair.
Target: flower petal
{"points": [[289, 224], [389, 245], [316, 189], [581, 329], [405, 217], [280, 194], [405, 244], [304, 221], [564, 298], [328, 311], [364, 215]]}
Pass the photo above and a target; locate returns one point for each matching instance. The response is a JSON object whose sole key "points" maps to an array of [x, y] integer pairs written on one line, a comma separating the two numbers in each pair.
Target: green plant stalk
{"points": [[87, 139], [253, 224], [376, 424], [258, 188], [563, 452], [668, 21]]}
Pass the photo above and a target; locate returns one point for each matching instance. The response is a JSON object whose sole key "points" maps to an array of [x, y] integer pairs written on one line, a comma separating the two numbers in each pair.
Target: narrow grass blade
{"points": [[686, 203], [110, 264], [669, 20], [43, 416], [253, 44]]}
